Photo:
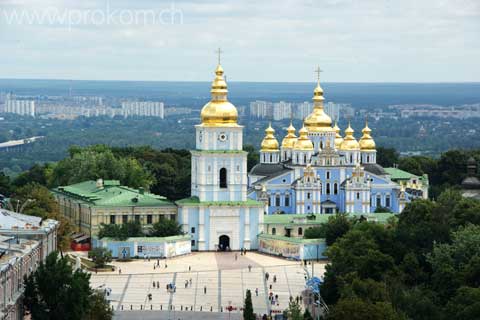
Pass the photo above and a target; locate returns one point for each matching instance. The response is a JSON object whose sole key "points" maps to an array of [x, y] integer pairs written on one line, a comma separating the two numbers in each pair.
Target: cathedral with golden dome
{"points": [[318, 171], [321, 172]]}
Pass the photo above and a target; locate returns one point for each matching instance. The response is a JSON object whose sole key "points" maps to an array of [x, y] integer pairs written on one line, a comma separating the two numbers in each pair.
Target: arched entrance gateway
{"points": [[224, 243]]}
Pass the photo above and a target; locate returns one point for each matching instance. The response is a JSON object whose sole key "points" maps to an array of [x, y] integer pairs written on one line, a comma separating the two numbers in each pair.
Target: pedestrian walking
{"points": [[256, 292], [190, 282], [267, 276], [189, 268], [154, 266], [119, 271], [205, 290], [270, 286], [274, 278], [154, 284], [249, 268], [236, 257], [158, 285], [186, 284]]}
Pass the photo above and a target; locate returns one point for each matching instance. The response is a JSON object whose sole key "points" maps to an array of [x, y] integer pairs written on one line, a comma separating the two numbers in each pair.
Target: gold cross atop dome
{"points": [[318, 71], [219, 53]]}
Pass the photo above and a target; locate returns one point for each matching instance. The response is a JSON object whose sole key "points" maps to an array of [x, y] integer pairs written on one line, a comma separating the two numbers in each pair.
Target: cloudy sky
{"points": [[262, 40]]}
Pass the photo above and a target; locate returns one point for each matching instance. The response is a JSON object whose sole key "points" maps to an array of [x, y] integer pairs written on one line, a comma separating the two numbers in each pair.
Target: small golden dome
{"points": [[318, 120], [289, 141], [366, 141], [338, 136], [349, 142], [269, 143], [303, 142], [219, 111]]}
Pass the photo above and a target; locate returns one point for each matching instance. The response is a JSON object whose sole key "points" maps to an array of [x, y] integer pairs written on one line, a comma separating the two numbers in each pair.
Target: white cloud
{"points": [[373, 40]]}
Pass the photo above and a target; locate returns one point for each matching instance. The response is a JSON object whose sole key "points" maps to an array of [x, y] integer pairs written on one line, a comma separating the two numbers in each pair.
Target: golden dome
{"points": [[303, 142], [338, 136], [219, 111], [366, 141], [318, 120], [269, 143], [349, 142], [289, 141]]}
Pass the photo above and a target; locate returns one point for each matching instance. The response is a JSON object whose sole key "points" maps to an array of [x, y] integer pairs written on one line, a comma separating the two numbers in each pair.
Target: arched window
{"points": [[223, 178], [351, 158], [277, 200], [308, 195], [368, 159], [335, 188], [387, 201], [328, 188], [379, 200], [297, 157], [271, 158], [287, 200], [300, 231], [274, 231], [305, 159]]}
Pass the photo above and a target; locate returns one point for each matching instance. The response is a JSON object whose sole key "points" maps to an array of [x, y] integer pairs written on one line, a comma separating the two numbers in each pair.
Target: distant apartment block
{"points": [[261, 109], [20, 107], [175, 111], [282, 110], [457, 112], [302, 110], [143, 109]]}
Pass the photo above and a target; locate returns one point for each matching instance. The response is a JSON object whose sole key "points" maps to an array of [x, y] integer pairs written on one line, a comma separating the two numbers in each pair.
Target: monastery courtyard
{"points": [[224, 278]]}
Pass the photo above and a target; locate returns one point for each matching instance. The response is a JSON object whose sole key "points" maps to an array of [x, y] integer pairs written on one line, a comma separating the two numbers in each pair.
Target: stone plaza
{"points": [[205, 282]]}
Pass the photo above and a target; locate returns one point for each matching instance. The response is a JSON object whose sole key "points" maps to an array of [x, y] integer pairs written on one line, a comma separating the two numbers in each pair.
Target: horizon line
{"points": [[246, 81]]}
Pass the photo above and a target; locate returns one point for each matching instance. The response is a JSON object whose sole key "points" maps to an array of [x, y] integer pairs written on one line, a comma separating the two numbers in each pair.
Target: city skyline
{"points": [[375, 41]]}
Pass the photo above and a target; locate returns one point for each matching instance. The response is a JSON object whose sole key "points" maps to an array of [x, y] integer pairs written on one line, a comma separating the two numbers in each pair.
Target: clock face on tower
{"points": [[222, 136]]}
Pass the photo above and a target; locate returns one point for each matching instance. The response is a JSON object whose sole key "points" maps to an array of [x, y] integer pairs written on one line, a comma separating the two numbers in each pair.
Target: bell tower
{"points": [[219, 165]]}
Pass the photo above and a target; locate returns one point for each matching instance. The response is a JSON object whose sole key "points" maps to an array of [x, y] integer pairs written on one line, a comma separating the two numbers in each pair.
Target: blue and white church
{"points": [[321, 172], [317, 172]]}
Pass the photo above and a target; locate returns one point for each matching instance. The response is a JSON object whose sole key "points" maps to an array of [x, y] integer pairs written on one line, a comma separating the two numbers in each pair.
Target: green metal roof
{"points": [[194, 201], [301, 219], [291, 240], [397, 174], [112, 194]]}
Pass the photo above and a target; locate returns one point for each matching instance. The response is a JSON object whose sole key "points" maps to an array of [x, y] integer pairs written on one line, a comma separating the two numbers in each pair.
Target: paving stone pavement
{"points": [[208, 282]]}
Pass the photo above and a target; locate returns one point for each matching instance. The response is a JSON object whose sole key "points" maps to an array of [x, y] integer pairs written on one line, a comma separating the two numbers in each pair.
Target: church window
{"points": [[223, 178], [305, 159], [297, 158], [321, 145], [285, 155], [112, 219], [124, 218], [308, 208], [287, 200], [300, 231], [328, 188], [308, 195], [271, 158], [368, 159], [193, 243], [351, 159], [335, 188], [192, 230], [238, 168], [328, 174], [277, 200], [379, 201], [358, 195], [149, 219], [387, 201], [137, 218], [274, 231]]}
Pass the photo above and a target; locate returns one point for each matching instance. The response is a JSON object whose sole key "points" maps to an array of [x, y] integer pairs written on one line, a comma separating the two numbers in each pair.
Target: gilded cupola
{"points": [[318, 120], [366, 141], [269, 142], [219, 111], [303, 142], [338, 136], [349, 142], [289, 141]]}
